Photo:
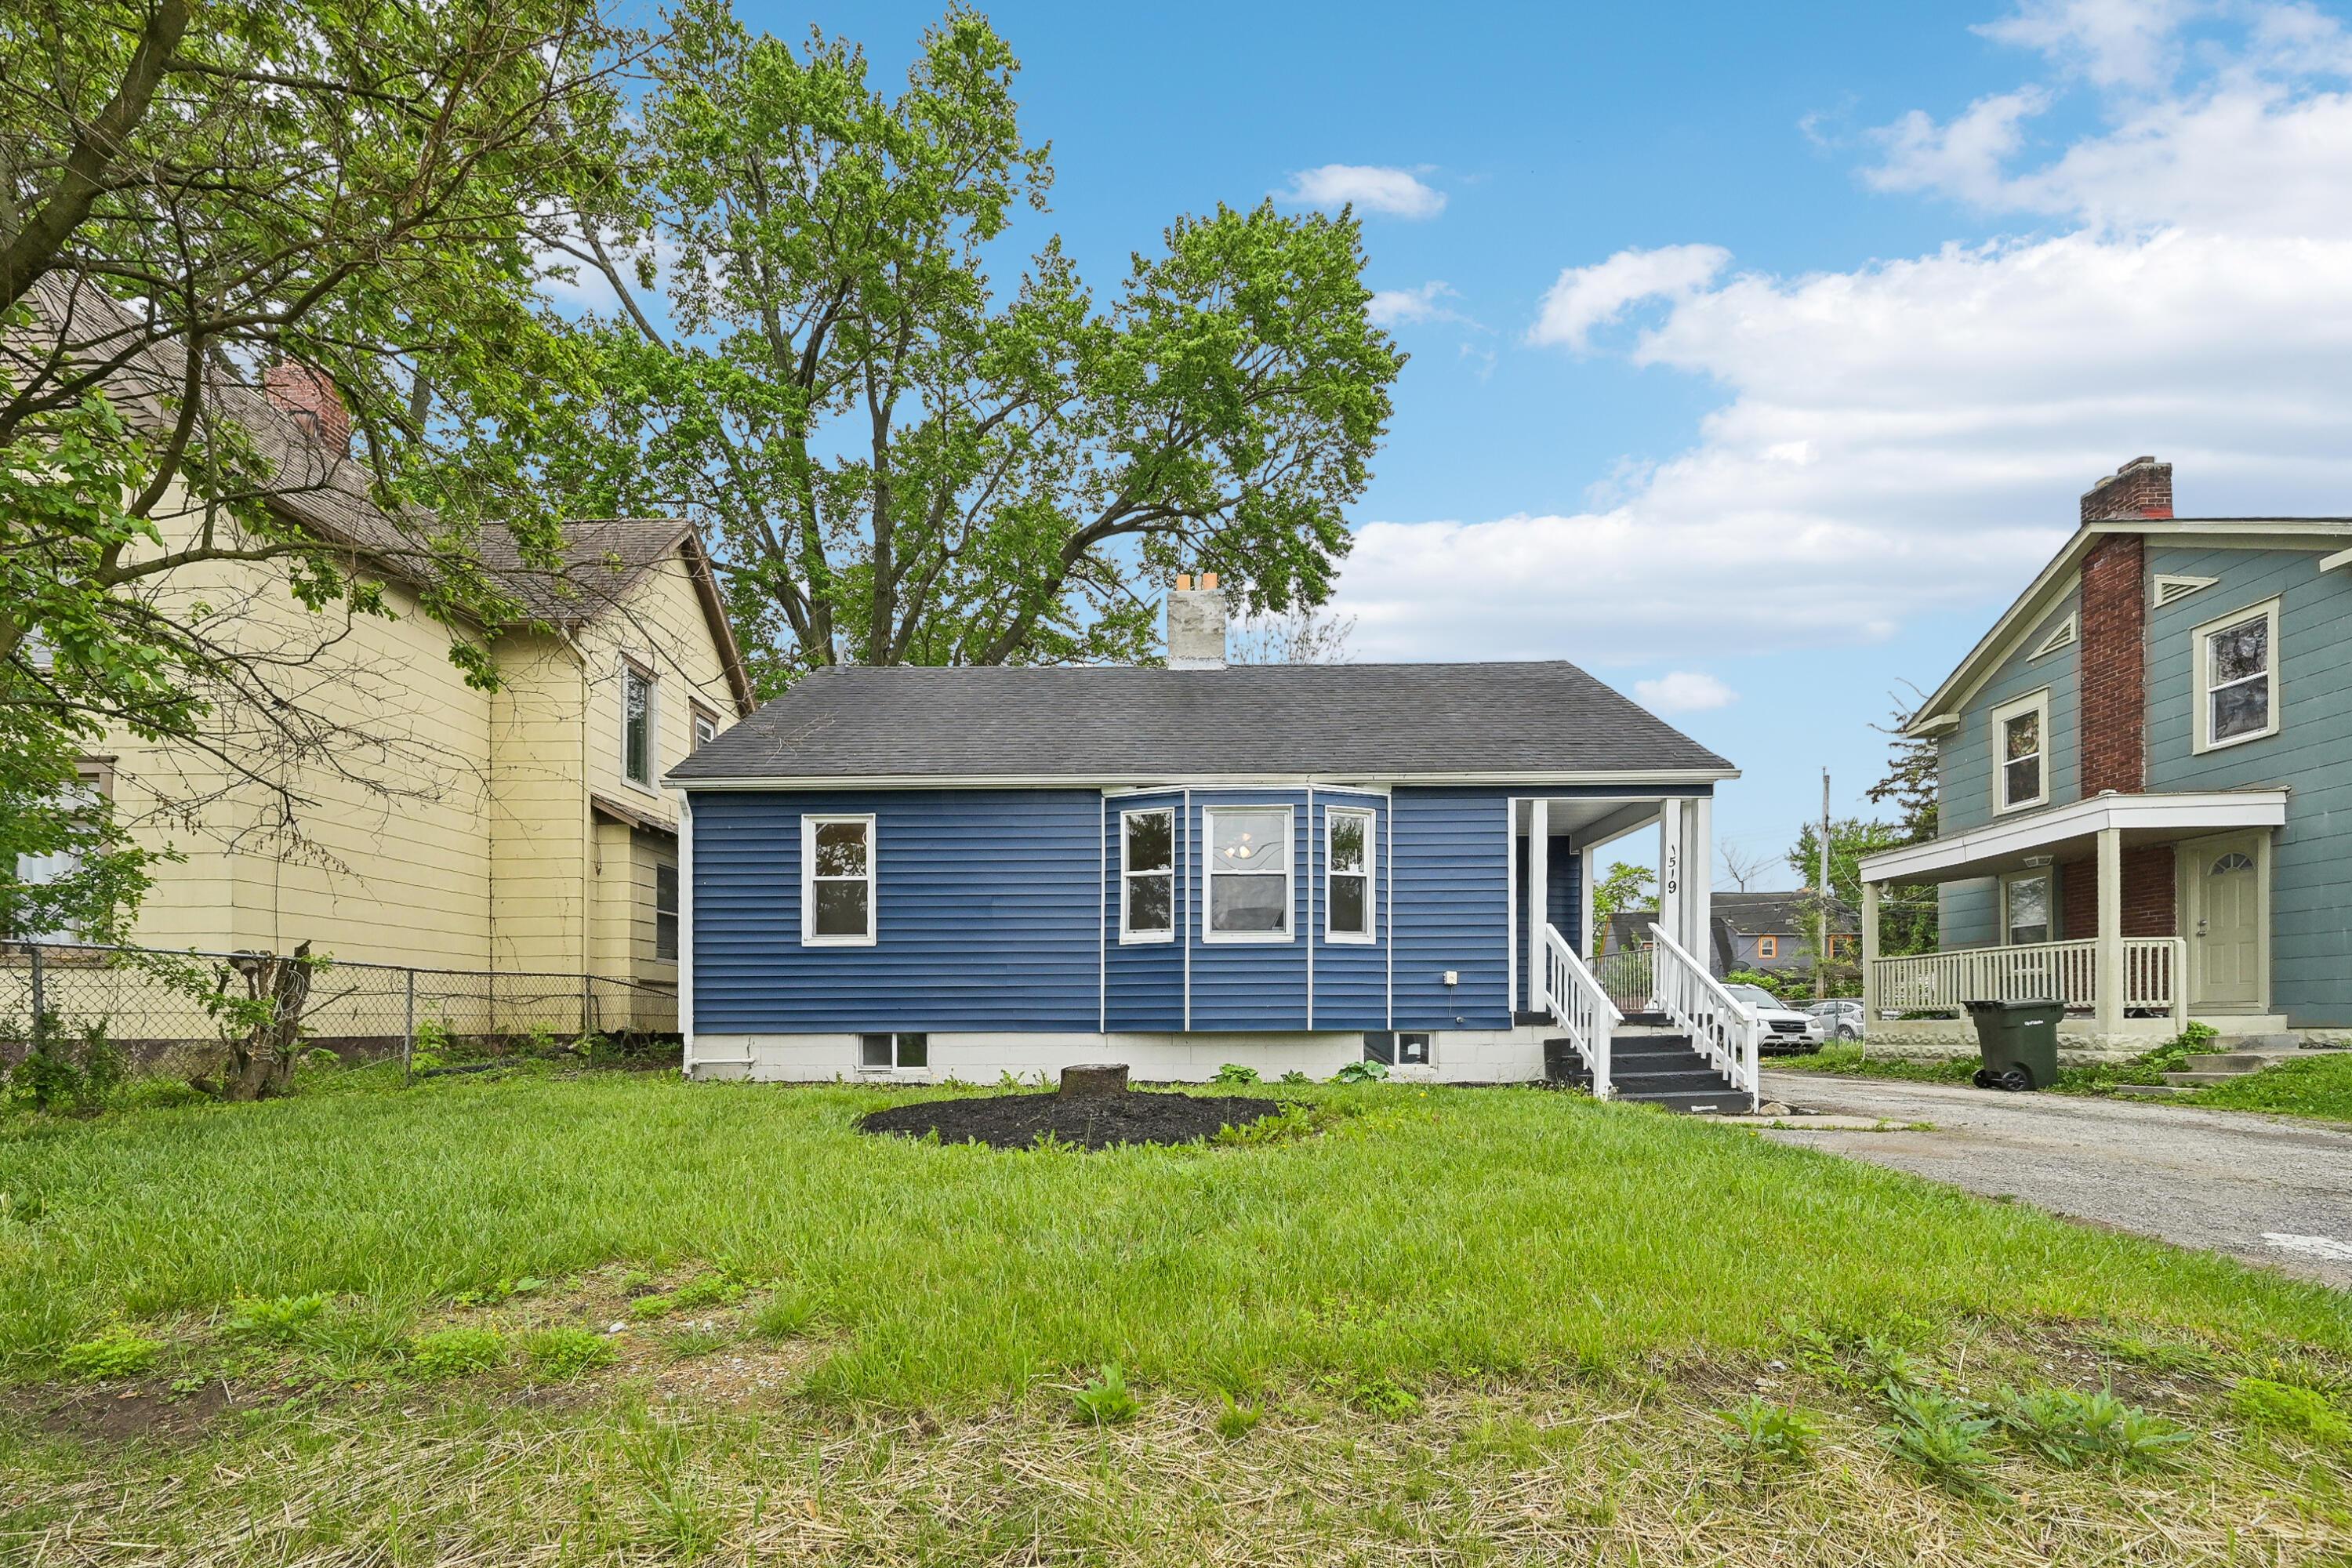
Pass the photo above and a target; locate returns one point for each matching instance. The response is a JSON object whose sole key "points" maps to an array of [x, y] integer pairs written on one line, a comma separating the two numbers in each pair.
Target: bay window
{"points": [[1348, 860], [1249, 874], [1147, 867]]}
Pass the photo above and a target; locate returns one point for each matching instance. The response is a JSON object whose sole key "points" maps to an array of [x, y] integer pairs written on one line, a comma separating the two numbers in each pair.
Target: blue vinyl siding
{"points": [[1964, 774], [986, 914], [1145, 981], [1452, 907], [2310, 859], [1565, 901], [1351, 979], [1249, 985]]}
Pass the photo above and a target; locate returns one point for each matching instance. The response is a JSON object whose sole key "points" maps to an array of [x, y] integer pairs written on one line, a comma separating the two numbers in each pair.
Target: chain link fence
{"points": [[156, 1005]]}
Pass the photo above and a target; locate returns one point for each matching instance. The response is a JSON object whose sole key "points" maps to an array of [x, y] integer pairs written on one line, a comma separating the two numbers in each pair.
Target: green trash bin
{"points": [[2019, 1043]]}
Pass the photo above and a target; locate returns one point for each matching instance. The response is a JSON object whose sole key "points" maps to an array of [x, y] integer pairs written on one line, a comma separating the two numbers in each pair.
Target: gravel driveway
{"points": [[2272, 1192]]}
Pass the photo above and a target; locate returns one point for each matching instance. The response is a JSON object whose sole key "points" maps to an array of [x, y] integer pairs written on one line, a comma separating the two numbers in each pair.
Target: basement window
{"points": [[887, 1053], [1397, 1050]]}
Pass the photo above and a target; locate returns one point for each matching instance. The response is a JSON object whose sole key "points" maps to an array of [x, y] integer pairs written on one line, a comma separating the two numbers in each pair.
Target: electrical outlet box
{"points": [[1453, 977]]}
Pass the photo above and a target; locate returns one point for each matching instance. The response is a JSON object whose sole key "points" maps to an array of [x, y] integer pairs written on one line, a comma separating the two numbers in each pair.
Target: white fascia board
{"points": [[2214, 811], [1630, 781], [2341, 558]]}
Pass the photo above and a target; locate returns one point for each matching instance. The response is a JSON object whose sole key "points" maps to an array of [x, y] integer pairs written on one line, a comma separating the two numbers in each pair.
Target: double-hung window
{"points": [[1348, 855], [2020, 746], [1249, 874], [636, 726], [665, 914], [2237, 662], [1147, 871], [837, 882], [706, 729]]}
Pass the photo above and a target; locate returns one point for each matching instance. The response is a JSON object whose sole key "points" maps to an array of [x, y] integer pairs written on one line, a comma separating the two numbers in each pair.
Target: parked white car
{"points": [[1841, 1017], [1786, 1032]]}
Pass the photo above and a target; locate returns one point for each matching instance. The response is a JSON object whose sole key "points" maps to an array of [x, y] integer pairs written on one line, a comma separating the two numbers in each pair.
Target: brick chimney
{"points": [[2141, 487], [1196, 624], [314, 402]]}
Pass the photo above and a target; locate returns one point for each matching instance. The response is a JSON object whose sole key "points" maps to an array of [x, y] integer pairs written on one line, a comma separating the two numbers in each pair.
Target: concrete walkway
{"points": [[2268, 1190]]}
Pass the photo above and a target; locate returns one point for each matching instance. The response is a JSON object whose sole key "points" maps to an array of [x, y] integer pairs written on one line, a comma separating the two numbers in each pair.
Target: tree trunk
{"points": [[1094, 1077], [262, 1063]]}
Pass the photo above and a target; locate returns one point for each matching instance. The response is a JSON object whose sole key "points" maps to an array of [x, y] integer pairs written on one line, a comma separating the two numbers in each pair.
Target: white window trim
{"points": [[2032, 702], [895, 1068], [1289, 931], [630, 666], [2200, 654], [2049, 903], [1147, 938], [1370, 935], [2066, 634], [810, 823], [697, 716]]}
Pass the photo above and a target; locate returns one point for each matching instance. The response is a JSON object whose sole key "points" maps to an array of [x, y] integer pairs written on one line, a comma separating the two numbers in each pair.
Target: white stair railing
{"points": [[1725, 1033], [1580, 1006]]}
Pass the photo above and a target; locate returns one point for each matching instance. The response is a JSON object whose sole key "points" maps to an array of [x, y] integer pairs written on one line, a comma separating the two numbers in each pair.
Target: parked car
{"points": [[1841, 1017], [1786, 1032]]}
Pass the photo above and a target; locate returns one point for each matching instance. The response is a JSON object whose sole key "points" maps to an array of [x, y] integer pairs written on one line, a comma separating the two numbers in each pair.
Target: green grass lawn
{"points": [[1429, 1322], [2319, 1086]]}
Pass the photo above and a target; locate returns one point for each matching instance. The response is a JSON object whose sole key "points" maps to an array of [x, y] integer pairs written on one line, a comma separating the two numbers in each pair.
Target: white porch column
{"points": [[1584, 931], [1538, 897], [1869, 957], [1698, 865], [2110, 1014], [1670, 869]]}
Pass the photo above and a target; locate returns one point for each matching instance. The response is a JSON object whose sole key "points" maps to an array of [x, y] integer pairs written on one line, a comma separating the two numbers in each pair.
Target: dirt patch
{"points": [[121, 1413], [1091, 1121]]}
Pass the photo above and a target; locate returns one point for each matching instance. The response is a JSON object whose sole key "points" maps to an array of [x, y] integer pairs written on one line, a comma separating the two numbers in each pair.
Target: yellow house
{"points": [[394, 813]]}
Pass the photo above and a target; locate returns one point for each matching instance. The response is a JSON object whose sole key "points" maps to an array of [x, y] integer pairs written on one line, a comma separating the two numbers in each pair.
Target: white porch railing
{"points": [[1721, 1030], [1580, 1006], [2154, 971]]}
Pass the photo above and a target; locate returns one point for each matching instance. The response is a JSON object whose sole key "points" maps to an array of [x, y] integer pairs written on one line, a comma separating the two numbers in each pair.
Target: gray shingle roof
{"points": [[1109, 723]]}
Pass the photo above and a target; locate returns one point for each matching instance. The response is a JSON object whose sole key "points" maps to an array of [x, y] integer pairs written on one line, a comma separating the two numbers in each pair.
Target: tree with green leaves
{"points": [[901, 464], [194, 193], [1622, 888]]}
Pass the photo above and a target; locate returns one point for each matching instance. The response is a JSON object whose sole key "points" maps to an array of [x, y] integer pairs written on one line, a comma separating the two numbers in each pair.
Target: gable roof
{"points": [[326, 493], [2056, 579], [1776, 914], [1098, 724]]}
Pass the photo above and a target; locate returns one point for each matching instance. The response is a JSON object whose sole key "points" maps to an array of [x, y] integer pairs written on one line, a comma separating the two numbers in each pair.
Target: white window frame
{"points": [[2200, 651], [632, 671], [898, 1038], [2049, 904], [1289, 931], [676, 912], [810, 823], [1147, 938], [2036, 702], [1370, 935], [700, 721]]}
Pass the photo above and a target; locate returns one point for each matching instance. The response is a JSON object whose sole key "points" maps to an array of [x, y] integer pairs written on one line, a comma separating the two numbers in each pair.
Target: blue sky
{"points": [[1760, 353]]}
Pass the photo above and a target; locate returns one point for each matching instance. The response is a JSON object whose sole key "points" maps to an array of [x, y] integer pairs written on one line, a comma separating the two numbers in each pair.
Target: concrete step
{"points": [[1716, 1101], [2238, 1061], [2200, 1080], [2153, 1091]]}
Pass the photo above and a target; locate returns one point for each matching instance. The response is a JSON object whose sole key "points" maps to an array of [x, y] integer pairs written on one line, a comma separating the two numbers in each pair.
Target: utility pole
{"points": [[1821, 950]]}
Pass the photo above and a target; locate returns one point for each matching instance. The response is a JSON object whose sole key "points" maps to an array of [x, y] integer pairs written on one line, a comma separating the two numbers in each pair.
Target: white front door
{"points": [[2223, 923]]}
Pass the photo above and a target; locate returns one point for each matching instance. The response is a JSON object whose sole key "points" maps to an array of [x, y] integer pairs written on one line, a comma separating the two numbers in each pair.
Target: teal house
{"points": [[2145, 788]]}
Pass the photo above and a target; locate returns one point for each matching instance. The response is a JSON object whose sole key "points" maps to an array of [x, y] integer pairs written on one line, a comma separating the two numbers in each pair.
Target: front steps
{"points": [[1649, 1062], [2244, 1055]]}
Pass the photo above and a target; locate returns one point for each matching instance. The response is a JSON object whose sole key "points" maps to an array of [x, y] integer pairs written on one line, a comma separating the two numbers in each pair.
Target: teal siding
{"points": [[1970, 913], [1965, 759], [2311, 880]]}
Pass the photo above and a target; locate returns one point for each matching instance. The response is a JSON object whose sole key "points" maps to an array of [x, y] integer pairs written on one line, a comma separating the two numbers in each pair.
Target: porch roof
{"points": [[2063, 832]]}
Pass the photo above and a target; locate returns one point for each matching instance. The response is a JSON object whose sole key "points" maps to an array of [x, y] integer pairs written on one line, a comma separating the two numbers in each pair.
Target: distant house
{"points": [[2144, 786], [519, 829], [912, 873], [1775, 933]]}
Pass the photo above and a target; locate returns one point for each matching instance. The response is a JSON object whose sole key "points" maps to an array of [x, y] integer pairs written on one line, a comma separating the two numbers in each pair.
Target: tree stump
{"points": [[1094, 1077]]}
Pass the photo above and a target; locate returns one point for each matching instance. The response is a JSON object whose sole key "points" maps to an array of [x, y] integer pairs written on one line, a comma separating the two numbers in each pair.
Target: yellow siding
{"points": [[538, 823], [660, 625]]}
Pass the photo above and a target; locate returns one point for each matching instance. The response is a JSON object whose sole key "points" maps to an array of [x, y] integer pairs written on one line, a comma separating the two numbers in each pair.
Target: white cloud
{"points": [[1963, 157], [1683, 691], [1398, 193], [2115, 43], [1404, 307], [1907, 438], [1583, 298]]}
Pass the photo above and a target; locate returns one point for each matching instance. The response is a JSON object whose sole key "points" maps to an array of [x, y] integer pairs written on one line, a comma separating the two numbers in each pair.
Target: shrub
{"points": [[1361, 1072], [279, 1319], [1105, 1401], [2287, 1407], [454, 1352], [566, 1352], [1235, 1072], [64, 1073], [1761, 1430], [119, 1352]]}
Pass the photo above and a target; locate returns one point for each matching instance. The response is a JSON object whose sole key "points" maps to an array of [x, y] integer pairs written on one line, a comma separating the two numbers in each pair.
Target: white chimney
{"points": [[1196, 624]]}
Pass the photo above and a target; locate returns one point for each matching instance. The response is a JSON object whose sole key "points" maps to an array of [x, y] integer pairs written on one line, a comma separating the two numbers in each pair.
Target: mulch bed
{"points": [[1093, 1120]]}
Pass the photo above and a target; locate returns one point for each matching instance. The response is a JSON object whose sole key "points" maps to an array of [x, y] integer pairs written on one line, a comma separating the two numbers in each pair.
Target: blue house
{"points": [[913, 873], [2145, 789]]}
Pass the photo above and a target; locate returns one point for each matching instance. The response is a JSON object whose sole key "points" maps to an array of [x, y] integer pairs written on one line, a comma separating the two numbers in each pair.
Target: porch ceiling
{"points": [[1582, 818], [2068, 832]]}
